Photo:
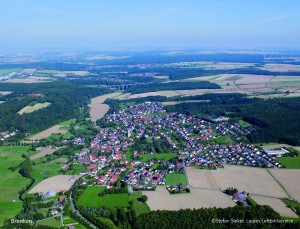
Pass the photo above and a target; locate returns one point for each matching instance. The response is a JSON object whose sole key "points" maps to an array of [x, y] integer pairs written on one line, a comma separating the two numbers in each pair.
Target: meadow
{"points": [[90, 198], [11, 182], [289, 162], [176, 179], [35, 107], [158, 156]]}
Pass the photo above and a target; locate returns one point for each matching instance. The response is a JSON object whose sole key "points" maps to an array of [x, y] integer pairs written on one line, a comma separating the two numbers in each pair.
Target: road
{"points": [[78, 213]]}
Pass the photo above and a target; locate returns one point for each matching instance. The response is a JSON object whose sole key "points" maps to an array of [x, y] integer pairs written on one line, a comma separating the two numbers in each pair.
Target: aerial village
{"points": [[191, 141]]}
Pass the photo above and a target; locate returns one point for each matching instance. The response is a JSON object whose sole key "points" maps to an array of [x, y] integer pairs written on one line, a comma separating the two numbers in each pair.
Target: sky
{"points": [[140, 24]]}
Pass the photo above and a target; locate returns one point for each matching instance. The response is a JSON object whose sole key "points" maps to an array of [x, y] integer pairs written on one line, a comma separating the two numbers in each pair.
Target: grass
{"points": [[283, 83], [244, 124], [175, 179], [289, 162], [50, 222], [11, 182], [68, 220], [35, 107], [90, 198], [9, 70], [8, 210], [158, 156]]}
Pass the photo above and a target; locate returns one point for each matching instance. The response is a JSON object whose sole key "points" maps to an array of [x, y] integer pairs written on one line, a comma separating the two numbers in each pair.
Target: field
{"points": [[289, 178], [276, 204], [44, 152], [90, 198], [29, 109], [57, 129], [275, 146], [63, 73], [289, 162], [8, 210], [158, 156], [11, 182], [56, 223], [282, 67], [9, 70], [30, 79], [198, 198], [97, 107], [56, 183], [175, 179], [253, 180]]}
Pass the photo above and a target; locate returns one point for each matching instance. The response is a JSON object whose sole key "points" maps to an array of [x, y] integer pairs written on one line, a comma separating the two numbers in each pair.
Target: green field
{"points": [[50, 222], [290, 162], [8, 210], [90, 198], [158, 156], [6, 71], [283, 83], [243, 123], [11, 182], [176, 179]]}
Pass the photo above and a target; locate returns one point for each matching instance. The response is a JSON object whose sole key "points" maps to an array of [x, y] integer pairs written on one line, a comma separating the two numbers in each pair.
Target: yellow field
{"points": [[29, 109]]}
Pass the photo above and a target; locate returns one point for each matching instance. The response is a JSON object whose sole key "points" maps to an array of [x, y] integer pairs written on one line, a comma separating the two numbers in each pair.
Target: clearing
{"points": [[56, 183], [35, 107], [161, 199]]}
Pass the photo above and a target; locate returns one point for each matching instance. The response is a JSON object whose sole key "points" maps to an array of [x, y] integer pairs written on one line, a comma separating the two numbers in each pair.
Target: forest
{"points": [[65, 98]]}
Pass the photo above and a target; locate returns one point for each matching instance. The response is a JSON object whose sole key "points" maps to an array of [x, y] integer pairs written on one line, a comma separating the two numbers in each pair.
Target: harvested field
{"points": [[198, 198], [253, 180], [29, 109], [282, 67], [97, 107], [56, 183], [276, 204], [156, 93], [44, 152], [57, 129], [30, 79], [290, 179], [5, 92], [64, 73]]}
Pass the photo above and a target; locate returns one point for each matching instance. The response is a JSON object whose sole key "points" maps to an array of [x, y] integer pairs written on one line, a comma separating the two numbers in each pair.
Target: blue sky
{"points": [[138, 24]]}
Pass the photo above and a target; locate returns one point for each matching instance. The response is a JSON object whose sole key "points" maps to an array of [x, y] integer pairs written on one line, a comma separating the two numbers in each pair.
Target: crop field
{"points": [[289, 162], [282, 67], [155, 93], [276, 204], [253, 180], [175, 179], [197, 198], [30, 79], [97, 107], [56, 183], [35, 107], [57, 129], [63, 73], [44, 152], [290, 179]]}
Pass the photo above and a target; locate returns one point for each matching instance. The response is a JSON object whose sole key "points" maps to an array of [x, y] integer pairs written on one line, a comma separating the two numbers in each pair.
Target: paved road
{"points": [[78, 213]]}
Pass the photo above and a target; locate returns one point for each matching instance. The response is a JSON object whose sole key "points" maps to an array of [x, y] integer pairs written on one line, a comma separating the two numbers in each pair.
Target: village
{"points": [[191, 141]]}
